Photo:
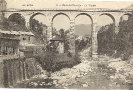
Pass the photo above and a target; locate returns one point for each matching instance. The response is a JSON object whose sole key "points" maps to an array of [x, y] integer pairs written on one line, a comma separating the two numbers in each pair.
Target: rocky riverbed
{"points": [[108, 73]]}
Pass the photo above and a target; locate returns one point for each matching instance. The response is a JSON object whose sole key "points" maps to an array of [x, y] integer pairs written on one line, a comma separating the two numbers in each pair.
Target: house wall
{"points": [[8, 46], [25, 39]]}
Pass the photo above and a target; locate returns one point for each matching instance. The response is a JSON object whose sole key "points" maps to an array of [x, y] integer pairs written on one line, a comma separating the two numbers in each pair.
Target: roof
{"points": [[26, 33], [56, 39], [5, 32], [26, 50], [28, 44], [15, 33]]}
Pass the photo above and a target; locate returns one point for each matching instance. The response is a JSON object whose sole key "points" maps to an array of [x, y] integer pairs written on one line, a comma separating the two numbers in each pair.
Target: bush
{"points": [[31, 65], [69, 54], [51, 61]]}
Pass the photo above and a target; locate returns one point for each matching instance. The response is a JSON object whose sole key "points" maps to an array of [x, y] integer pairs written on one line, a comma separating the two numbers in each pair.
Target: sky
{"points": [[61, 21], [41, 18], [83, 19]]}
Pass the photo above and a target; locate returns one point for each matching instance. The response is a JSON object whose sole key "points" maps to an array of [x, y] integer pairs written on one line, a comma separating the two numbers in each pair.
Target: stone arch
{"points": [[104, 33], [86, 15], [89, 17], [36, 15], [12, 18], [129, 14], [40, 28], [60, 14], [83, 31], [110, 15], [57, 14]]}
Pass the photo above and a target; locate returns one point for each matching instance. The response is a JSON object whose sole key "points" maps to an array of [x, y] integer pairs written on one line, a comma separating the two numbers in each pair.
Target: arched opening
{"points": [[125, 17], [61, 21], [83, 29], [38, 26], [105, 33], [124, 37], [60, 32], [60, 44], [16, 22], [17, 18]]}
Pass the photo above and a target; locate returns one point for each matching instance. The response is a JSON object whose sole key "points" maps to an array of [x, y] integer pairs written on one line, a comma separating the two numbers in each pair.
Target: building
{"points": [[26, 38], [59, 44], [80, 37], [9, 43], [26, 41], [28, 45], [3, 5], [16, 43]]}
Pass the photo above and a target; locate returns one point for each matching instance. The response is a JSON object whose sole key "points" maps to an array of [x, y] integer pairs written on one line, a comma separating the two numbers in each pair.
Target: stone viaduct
{"points": [[93, 14]]}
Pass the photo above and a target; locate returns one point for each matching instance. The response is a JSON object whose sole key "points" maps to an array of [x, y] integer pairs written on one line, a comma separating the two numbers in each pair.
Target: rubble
{"points": [[115, 71], [124, 71], [68, 76]]}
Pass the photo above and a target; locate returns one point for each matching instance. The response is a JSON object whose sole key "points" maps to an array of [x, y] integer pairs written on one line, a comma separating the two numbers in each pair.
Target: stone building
{"points": [[3, 5], [26, 41], [28, 46], [9, 43], [26, 38], [59, 44], [12, 43]]}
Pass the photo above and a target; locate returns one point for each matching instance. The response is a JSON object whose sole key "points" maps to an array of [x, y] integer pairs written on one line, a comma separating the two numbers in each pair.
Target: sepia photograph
{"points": [[66, 44]]}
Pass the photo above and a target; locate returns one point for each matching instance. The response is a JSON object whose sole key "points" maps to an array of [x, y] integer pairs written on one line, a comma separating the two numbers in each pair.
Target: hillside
{"points": [[82, 29]]}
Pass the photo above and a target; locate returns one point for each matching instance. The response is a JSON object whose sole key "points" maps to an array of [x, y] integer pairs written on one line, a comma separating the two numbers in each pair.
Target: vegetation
{"points": [[52, 61], [48, 58], [17, 18], [116, 44], [82, 44], [39, 30], [125, 39], [105, 38], [6, 24]]}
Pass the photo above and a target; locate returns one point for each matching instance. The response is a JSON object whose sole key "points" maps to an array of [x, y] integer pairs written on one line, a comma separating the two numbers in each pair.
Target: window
{"points": [[24, 38], [29, 38]]}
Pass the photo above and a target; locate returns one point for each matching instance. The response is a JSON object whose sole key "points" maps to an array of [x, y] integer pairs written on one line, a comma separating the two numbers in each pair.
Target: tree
{"points": [[125, 38], [17, 18], [110, 39], [105, 38], [6, 24], [101, 36], [39, 30], [64, 36], [62, 33]]}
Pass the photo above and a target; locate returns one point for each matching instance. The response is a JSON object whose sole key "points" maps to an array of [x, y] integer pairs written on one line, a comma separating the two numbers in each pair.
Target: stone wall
{"points": [[1, 75]]}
